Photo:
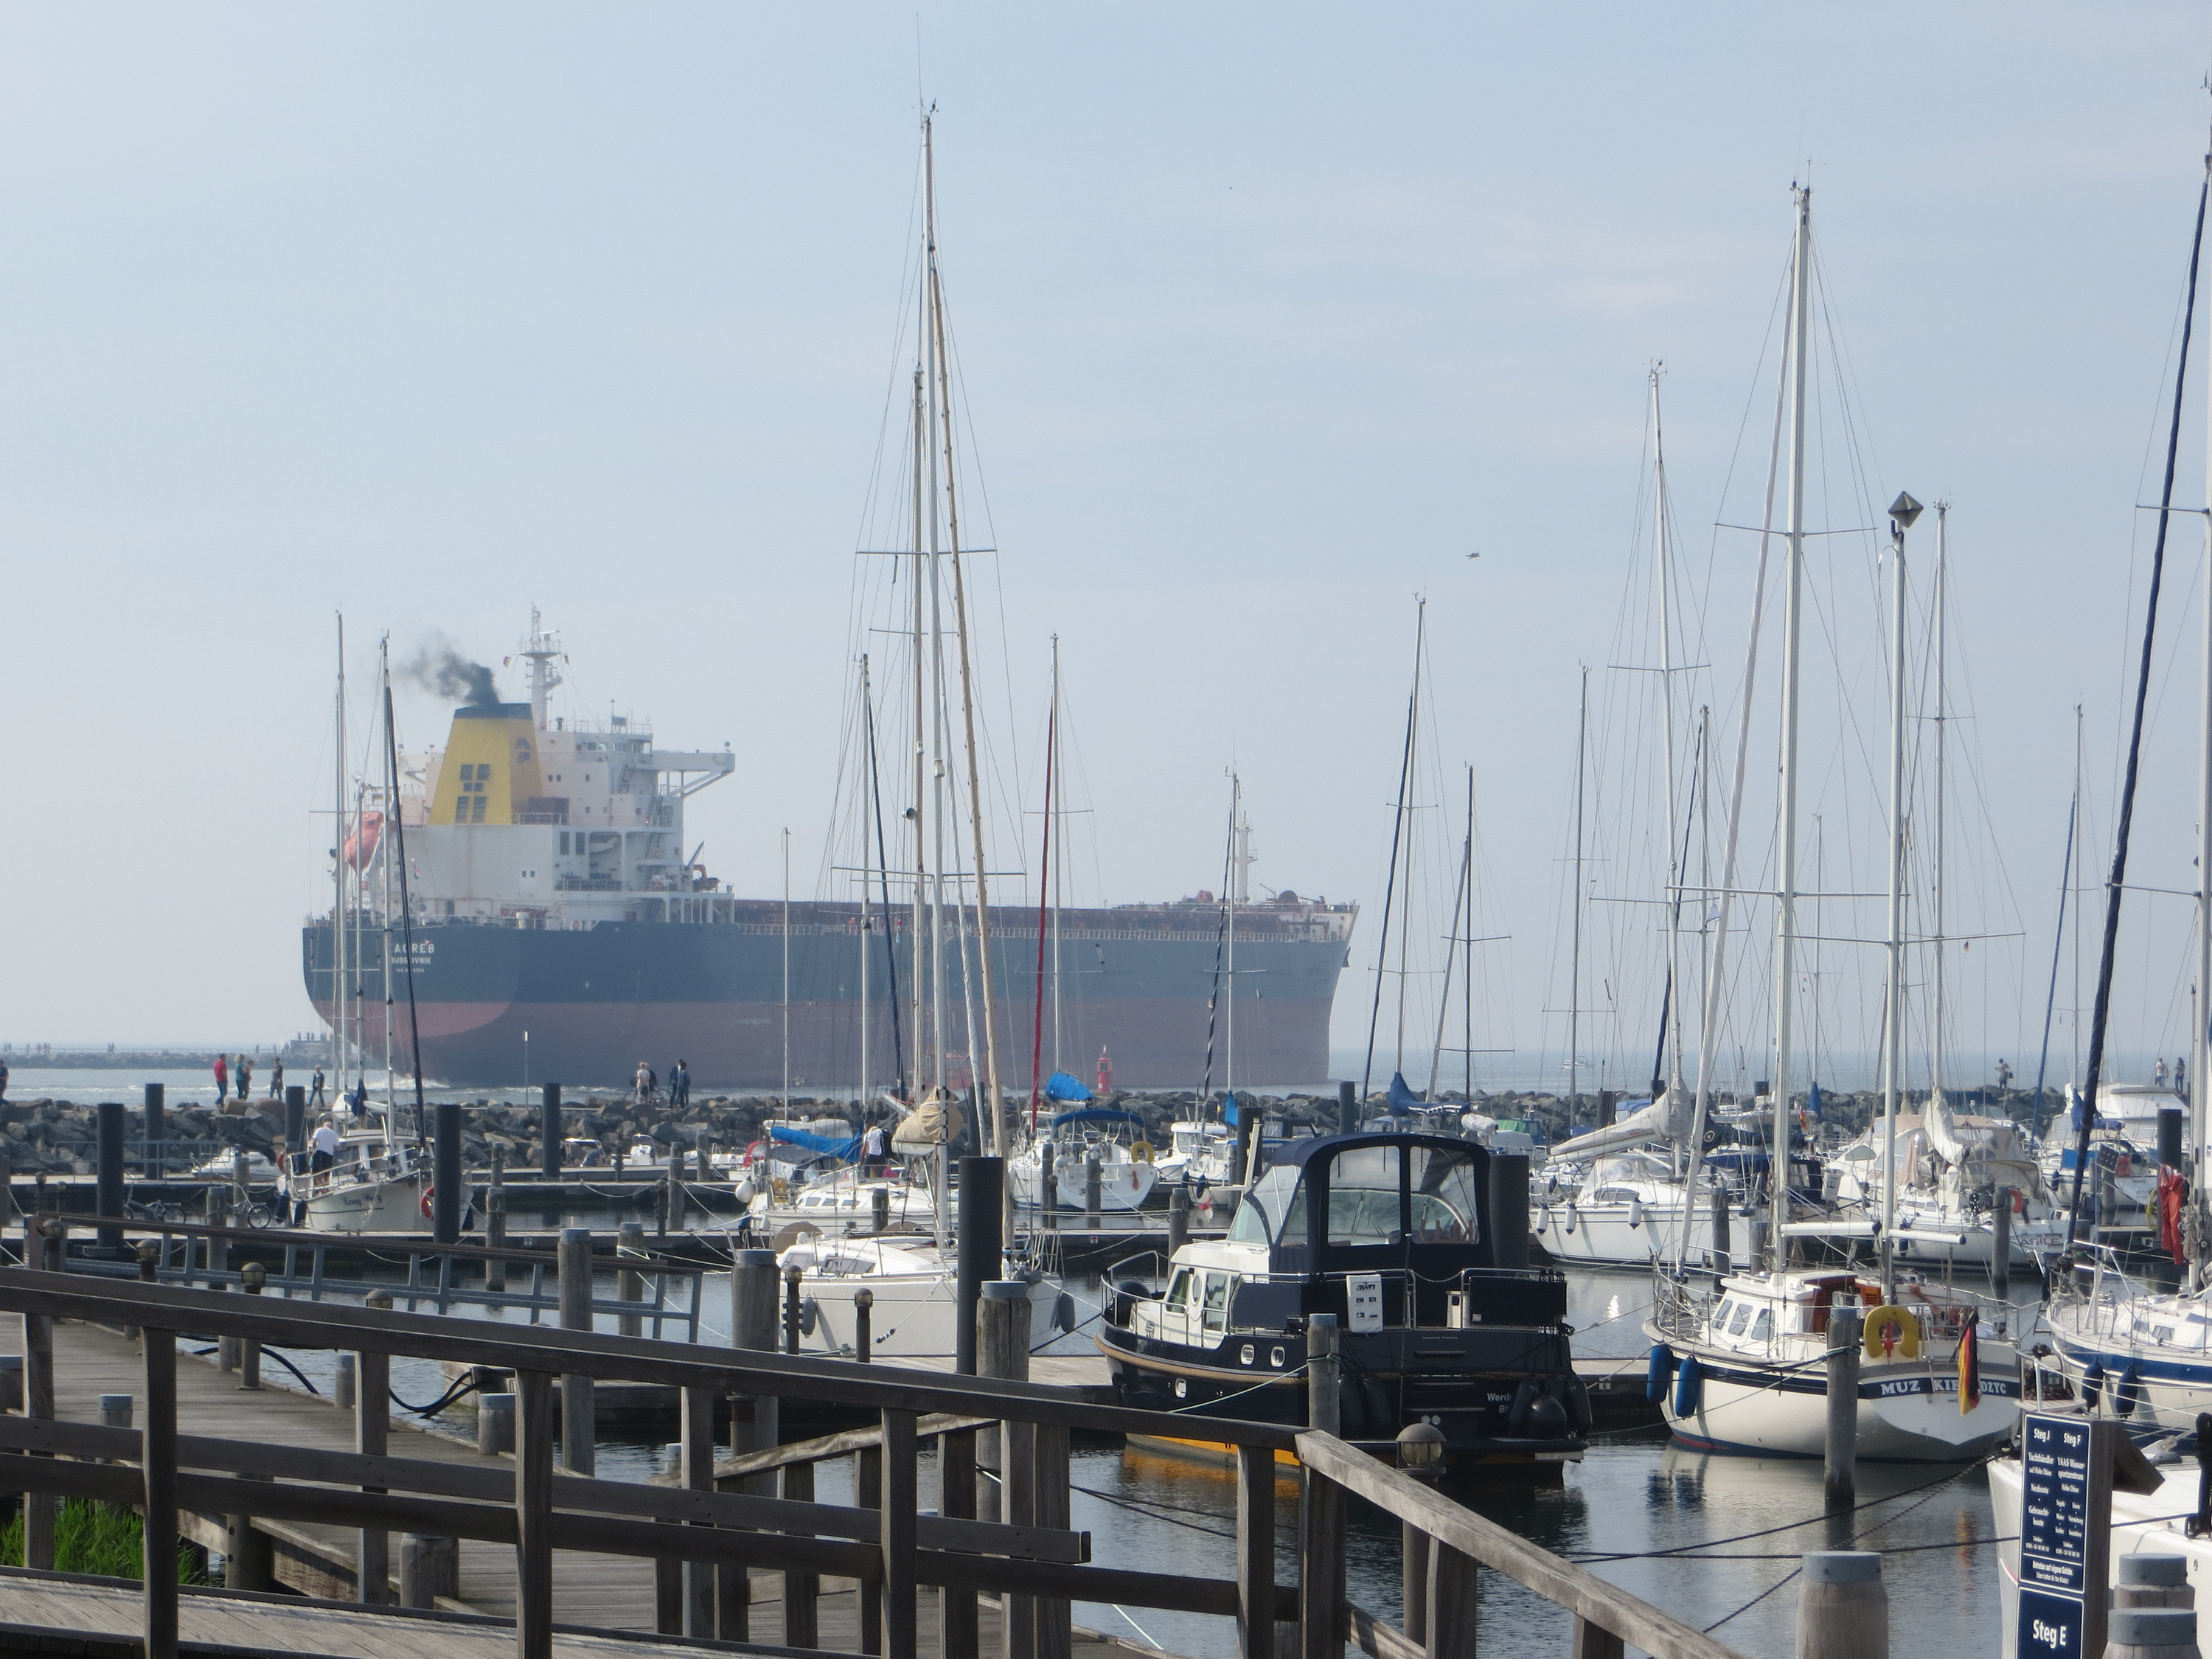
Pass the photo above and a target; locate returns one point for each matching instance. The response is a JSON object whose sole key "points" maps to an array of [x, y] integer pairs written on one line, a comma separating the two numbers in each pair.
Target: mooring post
{"points": [[295, 1118], [1091, 1174], [579, 1423], [982, 1250], [1843, 1611], [880, 1209], [794, 1308], [533, 1514], [253, 1278], [629, 1283], [548, 1132], [1843, 1445], [1724, 1251], [155, 1159], [429, 1567], [1348, 1108], [1047, 1185], [1178, 1218], [1509, 1209], [157, 1464], [108, 1191], [664, 1195], [448, 1187], [495, 1233], [39, 1509], [2000, 1254], [1003, 1352], [753, 1424], [372, 1430], [495, 1423], [863, 1313], [1324, 1404]]}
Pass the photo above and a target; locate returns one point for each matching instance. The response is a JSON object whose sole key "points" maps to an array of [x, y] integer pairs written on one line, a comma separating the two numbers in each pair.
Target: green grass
{"points": [[99, 1538]]}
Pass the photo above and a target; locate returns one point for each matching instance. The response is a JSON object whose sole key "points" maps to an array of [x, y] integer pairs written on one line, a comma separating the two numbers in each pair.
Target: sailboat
{"points": [[913, 1280], [1745, 1356]]}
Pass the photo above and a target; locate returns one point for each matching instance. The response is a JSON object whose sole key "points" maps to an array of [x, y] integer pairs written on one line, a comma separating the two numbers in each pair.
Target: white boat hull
{"points": [[1122, 1185], [915, 1316], [1620, 1236], [368, 1207], [1908, 1410]]}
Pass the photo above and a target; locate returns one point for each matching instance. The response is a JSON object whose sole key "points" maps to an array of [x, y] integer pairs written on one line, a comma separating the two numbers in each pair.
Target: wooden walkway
{"points": [[603, 1592]]}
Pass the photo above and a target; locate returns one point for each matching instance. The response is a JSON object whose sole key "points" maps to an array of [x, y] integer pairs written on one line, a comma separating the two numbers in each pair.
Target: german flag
{"points": [[1970, 1364]]}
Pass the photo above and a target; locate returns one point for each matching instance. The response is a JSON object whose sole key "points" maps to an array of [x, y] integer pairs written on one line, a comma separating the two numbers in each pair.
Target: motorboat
{"points": [[378, 1182], [1201, 1153], [1742, 1366], [1393, 1234], [2128, 1350], [1950, 1172]]}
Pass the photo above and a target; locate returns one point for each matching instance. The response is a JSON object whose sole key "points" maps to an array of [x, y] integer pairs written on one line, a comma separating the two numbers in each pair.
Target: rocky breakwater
{"points": [[57, 1137]]}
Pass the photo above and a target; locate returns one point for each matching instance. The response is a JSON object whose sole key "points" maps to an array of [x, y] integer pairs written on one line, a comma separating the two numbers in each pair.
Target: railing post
{"points": [[901, 1629], [868, 1494], [1002, 1344], [40, 1507], [956, 1498], [343, 1383], [863, 1306], [254, 1279], [533, 1510], [1178, 1219], [1591, 1641], [1049, 1508], [372, 1429], [579, 1420], [157, 1465], [549, 1130], [1415, 1597], [1321, 1568], [698, 1474], [108, 1190], [629, 1284], [801, 1614], [495, 1220], [1255, 1553], [1452, 1610]]}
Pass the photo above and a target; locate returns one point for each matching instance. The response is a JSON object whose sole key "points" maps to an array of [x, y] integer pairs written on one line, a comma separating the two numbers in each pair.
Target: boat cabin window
{"points": [[1739, 1319], [1179, 1288], [1267, 1215], [1763, 1327], [1216, 1311], [1443, 1194], [1363, 1197]]}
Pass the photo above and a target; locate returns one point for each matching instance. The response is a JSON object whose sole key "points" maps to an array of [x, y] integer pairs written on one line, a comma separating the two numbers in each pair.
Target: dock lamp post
{"points": [[1420, 1449]]}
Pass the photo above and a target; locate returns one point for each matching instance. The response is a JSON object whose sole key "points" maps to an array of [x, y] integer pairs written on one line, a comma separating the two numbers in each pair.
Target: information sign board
{"points": [[2065, 1535]]}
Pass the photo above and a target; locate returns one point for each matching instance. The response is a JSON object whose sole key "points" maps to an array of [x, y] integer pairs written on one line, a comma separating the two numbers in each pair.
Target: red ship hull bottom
{"points": [[1156, 1043]]}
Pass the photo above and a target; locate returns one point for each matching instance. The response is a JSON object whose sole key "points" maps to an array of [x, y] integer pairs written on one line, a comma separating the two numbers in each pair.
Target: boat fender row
{"points": [[2093, 1384], [1689, 1387], [1570, 1218], [1661, 1377], [1363, 1408], [810, 1314], [1063, 1313], [1544, 1218]]}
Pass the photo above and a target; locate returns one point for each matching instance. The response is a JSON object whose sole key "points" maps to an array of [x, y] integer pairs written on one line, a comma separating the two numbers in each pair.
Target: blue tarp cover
{"points": [[847, 1149], [1098, 1114], [1060, 1086], [1228, 1112], [1402, 1099]]}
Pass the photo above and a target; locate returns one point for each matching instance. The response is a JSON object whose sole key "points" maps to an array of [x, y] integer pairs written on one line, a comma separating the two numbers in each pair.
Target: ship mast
{"points": [[996, 1138]]}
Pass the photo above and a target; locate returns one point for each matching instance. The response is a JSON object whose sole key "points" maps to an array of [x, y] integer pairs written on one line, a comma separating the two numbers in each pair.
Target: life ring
{"points": [[1141, 1152], [778, 1188], [1879, 1344], [428, 1192]]}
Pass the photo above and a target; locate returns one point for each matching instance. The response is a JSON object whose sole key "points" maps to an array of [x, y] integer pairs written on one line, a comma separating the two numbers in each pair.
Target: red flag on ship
{"points": [[2172, 1190], [1970, 1364]]}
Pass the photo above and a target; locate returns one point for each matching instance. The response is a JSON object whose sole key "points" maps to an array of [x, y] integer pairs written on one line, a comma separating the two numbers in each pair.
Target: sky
{"points": [[1267, 318]]}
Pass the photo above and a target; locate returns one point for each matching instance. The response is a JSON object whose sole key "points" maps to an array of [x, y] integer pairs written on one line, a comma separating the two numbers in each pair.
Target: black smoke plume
{"points": [[439, 669]]}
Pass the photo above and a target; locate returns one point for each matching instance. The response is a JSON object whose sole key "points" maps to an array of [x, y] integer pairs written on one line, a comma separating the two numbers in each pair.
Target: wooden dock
{"points": [[601, 1593]]}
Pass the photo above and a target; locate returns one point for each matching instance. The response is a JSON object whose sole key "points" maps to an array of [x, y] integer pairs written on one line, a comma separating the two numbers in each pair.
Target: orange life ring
{"points": [[427, 1192]]}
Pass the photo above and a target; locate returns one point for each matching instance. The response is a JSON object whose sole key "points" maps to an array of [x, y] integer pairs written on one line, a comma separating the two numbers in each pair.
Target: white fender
{"points": [[1635, 1211]]}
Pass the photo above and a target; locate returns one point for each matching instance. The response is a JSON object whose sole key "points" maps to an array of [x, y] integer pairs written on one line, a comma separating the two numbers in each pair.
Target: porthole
{"points": [[1183, 1389], [1244, 1353], [1275, 1357]]}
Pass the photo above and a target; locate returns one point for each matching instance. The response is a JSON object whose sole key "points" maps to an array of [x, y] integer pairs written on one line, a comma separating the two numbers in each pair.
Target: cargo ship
{"points": [[559, 932]]}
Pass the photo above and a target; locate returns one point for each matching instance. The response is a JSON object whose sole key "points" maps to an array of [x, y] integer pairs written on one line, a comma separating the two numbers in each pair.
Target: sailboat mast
{"points": [[1785, 920], [1451, 944], [1397, 837], [1574, 952], [338, 918], [1056, 772], [917, 924], [1660, 552], [1236, 882], [1936, 874], [867, 869], [997, 1137], [2200, 1046], [1044, 892], [787, 970], [384, 871], [1902, 512]]}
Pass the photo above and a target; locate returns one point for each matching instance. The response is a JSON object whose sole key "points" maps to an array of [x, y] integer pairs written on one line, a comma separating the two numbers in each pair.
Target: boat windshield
{"points": [[1444, 1191], [1260, 1218], [1363, 1197]]}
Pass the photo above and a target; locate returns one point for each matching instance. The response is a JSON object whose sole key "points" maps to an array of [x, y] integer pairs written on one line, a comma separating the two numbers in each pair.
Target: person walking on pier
{"points": [[679, 1086], [3, 1082], [245, 1077], [221, 1079], [643, 1080], [316, 1098], [277, 1080]]}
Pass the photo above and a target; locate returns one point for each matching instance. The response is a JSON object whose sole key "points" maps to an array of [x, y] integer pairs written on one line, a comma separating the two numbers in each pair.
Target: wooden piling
{"points": [[548, 1132], [1178, 1219], [533, 1508], [864, 1304], [1002, 1351], [1843, 1440], [1723, 1252], [39, 1509], [343, 1384], [2001, 1251], [753, 1425], [2152, 1633], [372, 1428], [2148, 1580], [1843, 1611], [1324, 1409], [496, 1233], [494, 1424], [698, 1475], [578, 1423], [981, 1241], [1047, 1185], [157, 1463], [254, 1278], [1348, 1108], [429, 1567], [1091, 1177]]}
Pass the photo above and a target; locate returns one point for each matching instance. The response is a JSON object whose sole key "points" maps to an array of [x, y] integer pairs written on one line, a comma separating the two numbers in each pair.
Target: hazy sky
{"points": [[1268, 316]]}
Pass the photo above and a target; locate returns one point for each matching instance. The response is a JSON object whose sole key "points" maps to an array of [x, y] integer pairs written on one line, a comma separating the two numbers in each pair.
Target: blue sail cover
{"points": [[847, 1149], [1402, 1099], [1812, 1103], [1228, 1112], [1060, 1086], [1098, 1114]]}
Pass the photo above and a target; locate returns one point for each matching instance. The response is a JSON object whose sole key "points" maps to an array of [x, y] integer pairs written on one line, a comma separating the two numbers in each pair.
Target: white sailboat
{"points": [[1746, 1349]]}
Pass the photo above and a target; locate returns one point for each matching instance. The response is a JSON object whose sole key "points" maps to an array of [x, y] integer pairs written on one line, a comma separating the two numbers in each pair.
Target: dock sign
{"points": [[2065, 1536], [1365, 1293]]}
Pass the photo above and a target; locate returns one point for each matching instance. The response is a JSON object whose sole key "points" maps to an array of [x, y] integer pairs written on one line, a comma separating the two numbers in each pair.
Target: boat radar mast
{"points": [[540, 648]]}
